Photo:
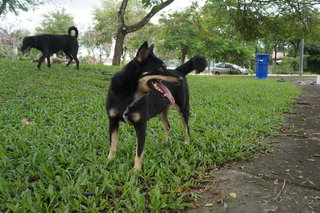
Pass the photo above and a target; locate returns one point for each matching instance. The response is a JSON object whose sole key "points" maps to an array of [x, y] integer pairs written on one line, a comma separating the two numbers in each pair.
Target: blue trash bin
{"points": [[262, 61]]}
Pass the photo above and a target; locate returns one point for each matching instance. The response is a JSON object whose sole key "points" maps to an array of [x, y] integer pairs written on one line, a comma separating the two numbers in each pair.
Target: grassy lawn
{"points": [[54, 140]]}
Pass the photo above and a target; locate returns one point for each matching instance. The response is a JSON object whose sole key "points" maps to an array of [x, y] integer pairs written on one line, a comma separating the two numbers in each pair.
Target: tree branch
{"points": [[147, 18], [3, 6], [314, 2], [121, 12]]}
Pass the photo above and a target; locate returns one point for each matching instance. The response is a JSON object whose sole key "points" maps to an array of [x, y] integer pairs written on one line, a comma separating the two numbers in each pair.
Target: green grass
{"points": [[50, 164]]}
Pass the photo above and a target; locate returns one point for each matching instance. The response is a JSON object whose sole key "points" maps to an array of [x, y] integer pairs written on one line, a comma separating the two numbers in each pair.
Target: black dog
{"points": [[145, 88], [49, 44]]}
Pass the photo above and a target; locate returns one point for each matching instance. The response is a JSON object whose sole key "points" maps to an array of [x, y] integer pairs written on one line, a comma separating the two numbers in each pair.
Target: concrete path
{"points": [[287, 180]]}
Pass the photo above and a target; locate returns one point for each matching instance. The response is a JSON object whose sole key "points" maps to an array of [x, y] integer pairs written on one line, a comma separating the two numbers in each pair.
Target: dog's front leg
{"points": [[48, 59], [40, 62], [141, 137], [113, 131]]}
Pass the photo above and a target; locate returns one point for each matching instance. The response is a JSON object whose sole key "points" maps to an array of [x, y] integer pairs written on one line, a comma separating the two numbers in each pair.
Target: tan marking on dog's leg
{"points": [[185, 132], [164, 120], [113, 112], [138, 163], [136, 116], [138, 160], [113, 145]]}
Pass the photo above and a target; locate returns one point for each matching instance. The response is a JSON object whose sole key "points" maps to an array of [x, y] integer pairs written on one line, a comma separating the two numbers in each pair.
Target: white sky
{"points": [[81, 10]]}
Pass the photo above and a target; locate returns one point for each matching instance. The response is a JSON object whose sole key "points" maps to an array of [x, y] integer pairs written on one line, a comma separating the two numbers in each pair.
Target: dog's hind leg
{"points": [[69, 56], [113, 131], [77, 61], [74, 56], [48, 60], [165, 122], [141, 137], [184, 112]]}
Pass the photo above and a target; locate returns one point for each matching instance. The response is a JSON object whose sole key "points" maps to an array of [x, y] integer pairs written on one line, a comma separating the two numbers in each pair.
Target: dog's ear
{"points": [[151, 48], [143, 52]]}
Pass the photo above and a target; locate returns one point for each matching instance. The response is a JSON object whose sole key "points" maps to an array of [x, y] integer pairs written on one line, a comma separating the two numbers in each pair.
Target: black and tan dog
{"points": [[145, 88], [49, 44]]}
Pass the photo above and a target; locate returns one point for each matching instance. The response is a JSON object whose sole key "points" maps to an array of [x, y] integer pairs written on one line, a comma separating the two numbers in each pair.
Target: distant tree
{"points": [[16, 5], [220, 38], [180, 32], [106, 21], [91, 40], [313, 61], [56, 22], [10, 41], [124, 24], [274, 24], [147, 33]]}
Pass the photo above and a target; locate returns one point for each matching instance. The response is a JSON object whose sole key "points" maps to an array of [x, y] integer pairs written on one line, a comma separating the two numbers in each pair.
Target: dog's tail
{"points": [[75, 30], [197, 63]]}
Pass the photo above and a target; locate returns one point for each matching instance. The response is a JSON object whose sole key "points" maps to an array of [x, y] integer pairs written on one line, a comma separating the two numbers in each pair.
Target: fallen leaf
{"points": [[317, 155], [232, 194], [310, 160], [216, 192], [273, 209], [208, 204], [195, 204], [84, 144], [178, 190], [26, 121], [217, 180], [220, 200], [181, 189], [227, 166], [241, 167]]}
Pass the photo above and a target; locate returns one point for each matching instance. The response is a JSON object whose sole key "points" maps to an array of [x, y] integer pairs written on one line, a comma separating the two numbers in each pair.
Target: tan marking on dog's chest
{"points": [[113, 112], [136, 116]]}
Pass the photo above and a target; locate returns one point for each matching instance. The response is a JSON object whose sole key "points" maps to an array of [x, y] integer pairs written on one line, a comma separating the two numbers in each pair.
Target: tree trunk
{"points": [[183, 56], [123, 29], [118, 47]]}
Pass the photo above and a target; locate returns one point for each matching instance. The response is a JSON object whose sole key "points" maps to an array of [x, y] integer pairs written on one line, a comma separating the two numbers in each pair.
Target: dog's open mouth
{"points": [[26, 51], [160, 89]]}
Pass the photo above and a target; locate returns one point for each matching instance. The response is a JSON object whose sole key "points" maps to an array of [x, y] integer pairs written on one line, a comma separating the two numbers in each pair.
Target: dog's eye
{"points": [[162, 68]]}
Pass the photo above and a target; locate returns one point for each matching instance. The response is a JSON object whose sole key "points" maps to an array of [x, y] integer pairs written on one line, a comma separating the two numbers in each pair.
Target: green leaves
{"points": [[56, 22]]}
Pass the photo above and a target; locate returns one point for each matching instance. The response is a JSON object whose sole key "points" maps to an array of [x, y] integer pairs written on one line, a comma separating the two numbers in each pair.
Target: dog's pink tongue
{"points": [[166, 91]]}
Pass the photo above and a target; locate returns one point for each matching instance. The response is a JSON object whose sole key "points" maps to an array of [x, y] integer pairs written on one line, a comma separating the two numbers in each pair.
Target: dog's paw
{"points": [[136, 170], [137, 164], [111, 157]]}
